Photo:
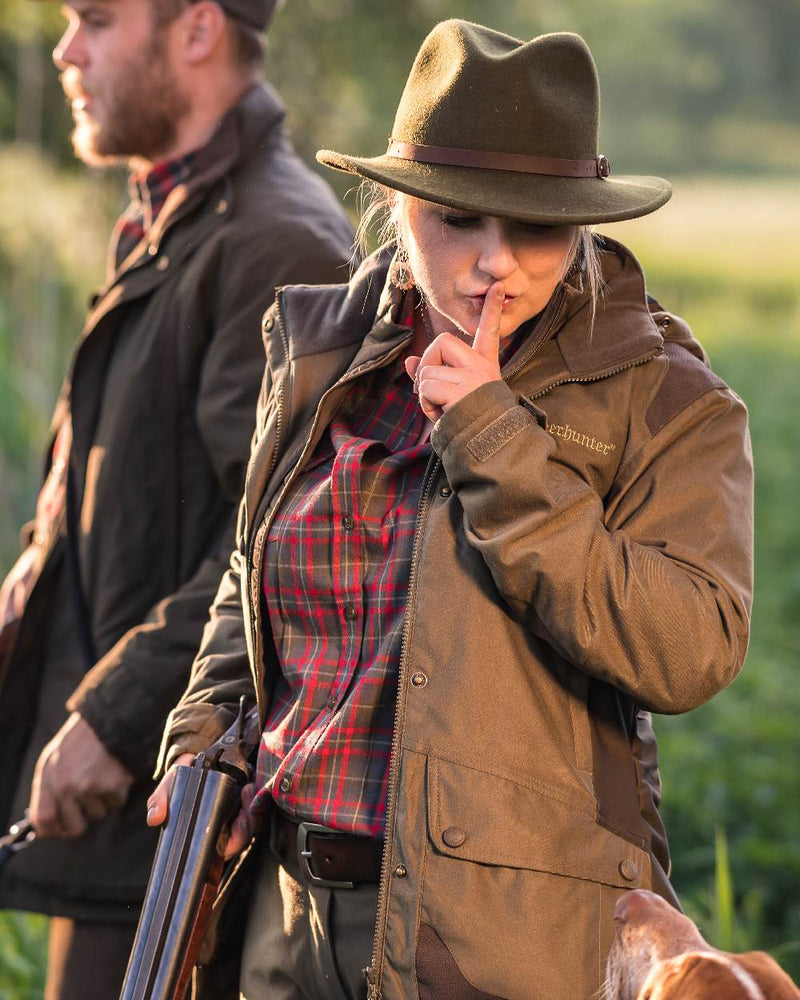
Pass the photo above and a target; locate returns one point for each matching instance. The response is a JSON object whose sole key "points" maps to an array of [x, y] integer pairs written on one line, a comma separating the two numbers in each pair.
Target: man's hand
{"points": [[450, 369], [76, 782], [243, 828]]}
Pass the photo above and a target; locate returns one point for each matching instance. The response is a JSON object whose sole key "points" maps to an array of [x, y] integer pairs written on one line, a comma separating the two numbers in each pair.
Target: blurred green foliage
{"points": [[690, 87]]}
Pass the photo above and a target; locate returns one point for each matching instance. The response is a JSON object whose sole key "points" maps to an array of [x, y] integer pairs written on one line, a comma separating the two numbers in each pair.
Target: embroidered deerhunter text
{"points": [[570, 434]]}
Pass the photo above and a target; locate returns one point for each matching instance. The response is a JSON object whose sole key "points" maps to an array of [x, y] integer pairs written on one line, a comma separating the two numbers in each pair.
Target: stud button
{"points": [[454, 836], [418, 679], [629, 870]]}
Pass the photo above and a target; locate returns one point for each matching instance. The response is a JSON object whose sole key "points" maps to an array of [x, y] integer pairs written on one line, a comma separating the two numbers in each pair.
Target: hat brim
{"points": [[511, 194]]}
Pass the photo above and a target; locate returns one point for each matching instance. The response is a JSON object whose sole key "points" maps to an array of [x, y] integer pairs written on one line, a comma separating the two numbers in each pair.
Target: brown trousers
{"points": [[305, 943], [87, 960]]}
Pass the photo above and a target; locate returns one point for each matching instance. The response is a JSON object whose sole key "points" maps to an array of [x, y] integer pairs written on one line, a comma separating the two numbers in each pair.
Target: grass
{"points": [[23, 950]]}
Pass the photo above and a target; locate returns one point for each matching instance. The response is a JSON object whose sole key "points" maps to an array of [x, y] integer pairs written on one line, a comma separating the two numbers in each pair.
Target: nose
{"points": [[634, 906], [497, 257], [70, 50]]}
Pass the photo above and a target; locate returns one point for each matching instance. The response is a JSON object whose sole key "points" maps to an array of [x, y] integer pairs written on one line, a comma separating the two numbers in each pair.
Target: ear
{"points": [[774, 982], [696, 976], [202, 26]]}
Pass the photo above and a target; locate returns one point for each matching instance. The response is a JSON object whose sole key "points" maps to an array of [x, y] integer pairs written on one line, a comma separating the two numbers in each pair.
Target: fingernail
{"points": [[151, 811]]}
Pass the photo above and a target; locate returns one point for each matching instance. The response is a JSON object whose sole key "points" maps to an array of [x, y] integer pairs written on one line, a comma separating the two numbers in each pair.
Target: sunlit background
{"points": [[705, 92]]}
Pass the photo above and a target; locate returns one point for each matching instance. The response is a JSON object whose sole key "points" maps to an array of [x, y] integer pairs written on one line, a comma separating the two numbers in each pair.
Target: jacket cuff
{"points": [[190, 729], [99, 706], [484, 421]]}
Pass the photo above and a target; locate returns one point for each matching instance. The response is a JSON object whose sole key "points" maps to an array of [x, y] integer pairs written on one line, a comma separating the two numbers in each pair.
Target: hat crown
{"points": [[474, 88]]}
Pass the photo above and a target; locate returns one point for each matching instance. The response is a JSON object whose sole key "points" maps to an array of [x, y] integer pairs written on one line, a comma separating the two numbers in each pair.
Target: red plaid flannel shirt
{"points": [[336, 572], [148, 191]]}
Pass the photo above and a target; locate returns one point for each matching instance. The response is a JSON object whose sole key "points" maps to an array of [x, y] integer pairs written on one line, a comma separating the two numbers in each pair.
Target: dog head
{"points": [[659, 954]]}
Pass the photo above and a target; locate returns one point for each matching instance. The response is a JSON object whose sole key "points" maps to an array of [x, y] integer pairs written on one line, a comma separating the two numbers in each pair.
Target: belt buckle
{"points": [[304, 857]]}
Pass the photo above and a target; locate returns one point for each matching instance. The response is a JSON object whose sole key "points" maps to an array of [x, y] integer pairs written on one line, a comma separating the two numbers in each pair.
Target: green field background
{"points": [[703, 92]]}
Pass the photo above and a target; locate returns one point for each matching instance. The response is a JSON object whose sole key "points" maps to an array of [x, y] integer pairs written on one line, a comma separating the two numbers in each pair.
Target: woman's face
{"points": [[456, 256]]}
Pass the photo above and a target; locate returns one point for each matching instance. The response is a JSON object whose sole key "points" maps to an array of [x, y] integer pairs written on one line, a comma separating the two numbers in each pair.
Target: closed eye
{"points": [[461, 221]]}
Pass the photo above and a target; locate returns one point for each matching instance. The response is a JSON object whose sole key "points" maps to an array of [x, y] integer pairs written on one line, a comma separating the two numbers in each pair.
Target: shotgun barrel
{"points": [[187, 869]]}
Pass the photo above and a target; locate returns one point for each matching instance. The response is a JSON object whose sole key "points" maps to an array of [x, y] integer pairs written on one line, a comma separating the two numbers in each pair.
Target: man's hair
{"points": [[248, 43]]}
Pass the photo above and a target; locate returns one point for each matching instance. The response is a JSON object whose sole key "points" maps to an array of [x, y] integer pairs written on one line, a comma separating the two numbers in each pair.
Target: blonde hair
{"points": [[378, 221]]}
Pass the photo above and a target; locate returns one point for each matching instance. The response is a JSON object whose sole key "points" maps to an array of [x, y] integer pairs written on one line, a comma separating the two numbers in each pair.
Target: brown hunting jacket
{"points": [[162, 393], [582, 556]]}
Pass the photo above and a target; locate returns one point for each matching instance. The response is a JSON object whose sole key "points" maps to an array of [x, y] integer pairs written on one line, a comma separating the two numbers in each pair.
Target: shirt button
{"points": [[418, 679], [286, 784], [348, 522], [454, 836], [629, 870], [445, 492], [162, 263], [350, 612]]}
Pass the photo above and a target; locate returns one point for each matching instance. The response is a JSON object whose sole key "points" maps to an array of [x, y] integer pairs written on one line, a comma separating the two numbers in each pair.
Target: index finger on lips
{"points": [[487, 336]]}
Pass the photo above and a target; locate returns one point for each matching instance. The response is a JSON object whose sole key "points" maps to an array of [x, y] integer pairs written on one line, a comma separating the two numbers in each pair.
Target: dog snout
{"points": [[635, 906]]}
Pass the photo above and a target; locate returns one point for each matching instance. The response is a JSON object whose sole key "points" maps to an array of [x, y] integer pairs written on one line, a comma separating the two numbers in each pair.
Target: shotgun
{"points": [[188, 864]]}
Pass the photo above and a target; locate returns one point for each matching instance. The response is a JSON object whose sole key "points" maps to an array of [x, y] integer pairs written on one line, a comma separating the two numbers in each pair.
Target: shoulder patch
{"points": [[686, 380]]}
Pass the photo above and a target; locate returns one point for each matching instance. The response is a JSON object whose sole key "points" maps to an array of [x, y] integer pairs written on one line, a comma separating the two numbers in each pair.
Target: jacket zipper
{"points": [[256, 550], [598, 376], [373, 972]]}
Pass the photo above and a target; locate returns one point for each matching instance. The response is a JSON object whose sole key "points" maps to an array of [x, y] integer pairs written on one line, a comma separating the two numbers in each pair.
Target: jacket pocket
{"points": [[519, 887]]}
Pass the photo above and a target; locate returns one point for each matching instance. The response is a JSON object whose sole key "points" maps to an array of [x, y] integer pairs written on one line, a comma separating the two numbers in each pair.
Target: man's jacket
{"points": [[161, 393], [582, 556]]}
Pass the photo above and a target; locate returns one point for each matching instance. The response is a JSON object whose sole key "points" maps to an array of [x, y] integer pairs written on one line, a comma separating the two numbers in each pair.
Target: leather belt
{"points": [[326, 858]]}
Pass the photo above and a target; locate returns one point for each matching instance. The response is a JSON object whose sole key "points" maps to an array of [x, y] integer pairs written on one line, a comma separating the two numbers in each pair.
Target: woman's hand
{"points": [[450, 369], [243, 828]]}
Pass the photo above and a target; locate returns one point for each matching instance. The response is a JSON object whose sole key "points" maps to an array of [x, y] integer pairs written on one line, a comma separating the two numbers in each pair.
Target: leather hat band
{"points": [[454, 157]]}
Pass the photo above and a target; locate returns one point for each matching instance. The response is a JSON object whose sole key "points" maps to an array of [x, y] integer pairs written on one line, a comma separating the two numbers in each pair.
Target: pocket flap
{"points": [[493, 820]]}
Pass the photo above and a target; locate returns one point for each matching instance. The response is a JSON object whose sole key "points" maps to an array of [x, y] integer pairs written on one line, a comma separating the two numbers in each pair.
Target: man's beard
{"points": [[135, 113]]}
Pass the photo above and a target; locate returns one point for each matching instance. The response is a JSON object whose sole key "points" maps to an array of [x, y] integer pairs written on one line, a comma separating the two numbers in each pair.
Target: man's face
{"points": [[118, 74]]}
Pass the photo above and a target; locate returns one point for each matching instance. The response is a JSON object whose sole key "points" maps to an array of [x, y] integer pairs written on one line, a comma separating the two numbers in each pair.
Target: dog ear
{"points": [[775, 984], [696, 976]]}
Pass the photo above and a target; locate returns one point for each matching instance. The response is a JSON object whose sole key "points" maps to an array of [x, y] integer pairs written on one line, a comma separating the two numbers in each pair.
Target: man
{"points": [[105, 609]]}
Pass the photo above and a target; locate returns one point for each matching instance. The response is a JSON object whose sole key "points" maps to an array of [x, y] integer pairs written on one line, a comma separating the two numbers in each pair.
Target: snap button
{"points": [[665, 322], [269, 322], [445, 492], [418, 679], [222, 206], [286, 784], [454, 836], [401, 871], [629, 870], [162, 263]]}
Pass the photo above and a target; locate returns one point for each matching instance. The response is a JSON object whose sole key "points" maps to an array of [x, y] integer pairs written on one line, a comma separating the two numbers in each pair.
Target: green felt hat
{"points": [[497, 126]]}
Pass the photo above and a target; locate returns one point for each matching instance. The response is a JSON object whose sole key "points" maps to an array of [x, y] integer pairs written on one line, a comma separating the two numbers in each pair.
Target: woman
{"points": [[497, 509]]}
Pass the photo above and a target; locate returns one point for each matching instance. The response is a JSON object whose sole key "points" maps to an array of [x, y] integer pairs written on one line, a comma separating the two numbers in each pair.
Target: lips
{"points": [[478, 301]]}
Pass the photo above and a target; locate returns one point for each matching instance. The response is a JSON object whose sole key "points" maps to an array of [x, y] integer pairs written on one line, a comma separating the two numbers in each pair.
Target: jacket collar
{"points": [[256, 119], [366, 312]]}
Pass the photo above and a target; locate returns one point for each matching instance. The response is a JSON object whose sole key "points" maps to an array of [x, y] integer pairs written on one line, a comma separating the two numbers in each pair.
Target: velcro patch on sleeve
{"points": [[499, 432]]}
